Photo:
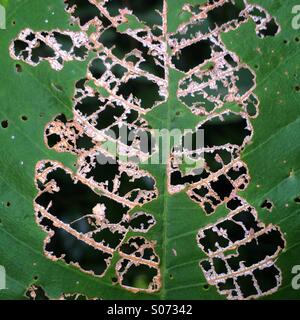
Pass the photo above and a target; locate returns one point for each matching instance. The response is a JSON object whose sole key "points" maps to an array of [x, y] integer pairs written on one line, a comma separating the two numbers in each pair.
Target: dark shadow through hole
{"points": [[4, 124]]}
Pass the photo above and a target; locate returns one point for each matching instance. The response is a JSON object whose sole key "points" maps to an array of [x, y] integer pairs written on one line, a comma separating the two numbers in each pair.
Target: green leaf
{"points": [[31, 97]]}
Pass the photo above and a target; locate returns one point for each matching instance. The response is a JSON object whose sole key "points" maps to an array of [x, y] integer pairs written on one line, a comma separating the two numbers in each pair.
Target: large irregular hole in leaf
{"points": [[56, 47], [255, 245], [138, 270], [87, 233]]}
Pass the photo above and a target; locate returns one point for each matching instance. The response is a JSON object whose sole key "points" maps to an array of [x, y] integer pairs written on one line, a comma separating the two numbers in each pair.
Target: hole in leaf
{"points": [[232, 129], [297, 200], [91, 228], [35, 292], [267, 204], [85, 12], [245, 282], [192, 56], [18, 68], [66, 246], [206, 287], [4, 124], [271, 29], [223, 187], [143, 89], [139, 276], [146, 11]]}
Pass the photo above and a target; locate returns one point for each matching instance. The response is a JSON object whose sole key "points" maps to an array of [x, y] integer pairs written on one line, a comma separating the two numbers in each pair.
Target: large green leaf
{"points": [[32, 96]]}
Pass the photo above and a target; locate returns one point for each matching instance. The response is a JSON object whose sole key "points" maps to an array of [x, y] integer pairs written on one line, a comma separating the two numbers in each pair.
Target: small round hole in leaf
{"points": [[297, 200], [4, 124], [19, 68]]}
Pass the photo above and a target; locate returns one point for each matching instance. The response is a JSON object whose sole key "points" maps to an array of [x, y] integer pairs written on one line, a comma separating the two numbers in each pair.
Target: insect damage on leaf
{"points": [[37, 292], [55, 46], [268, 205], [106, 105], [139, 260], [223, 92], [75, 296], [242, 252], [228, 80], [223, 172], [127, 183], [97, 223], [101, 119], [127, 78]]}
